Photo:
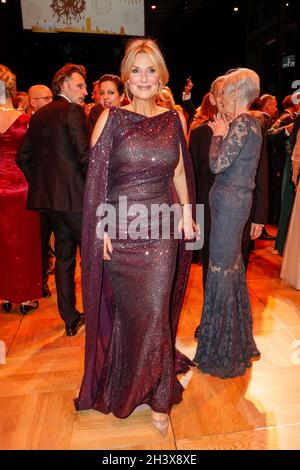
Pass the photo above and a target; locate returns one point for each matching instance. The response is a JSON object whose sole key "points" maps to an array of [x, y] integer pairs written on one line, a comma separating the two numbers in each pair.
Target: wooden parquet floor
{"points": [[261, 410]]}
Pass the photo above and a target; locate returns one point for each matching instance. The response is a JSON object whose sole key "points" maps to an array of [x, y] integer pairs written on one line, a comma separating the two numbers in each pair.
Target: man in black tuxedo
{"points": [[39, 96], [54, 159], [200, 139], [255, 225], [270, 114], [97, 109]]}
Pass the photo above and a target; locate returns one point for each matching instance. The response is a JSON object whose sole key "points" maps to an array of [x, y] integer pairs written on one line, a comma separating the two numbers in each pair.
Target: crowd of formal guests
{"points": [[60, 157], [56, 185], [278, 146]]}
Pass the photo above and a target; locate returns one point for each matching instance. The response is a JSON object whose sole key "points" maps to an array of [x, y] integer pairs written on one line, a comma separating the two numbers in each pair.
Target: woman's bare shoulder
{"points": [[99, 126]]}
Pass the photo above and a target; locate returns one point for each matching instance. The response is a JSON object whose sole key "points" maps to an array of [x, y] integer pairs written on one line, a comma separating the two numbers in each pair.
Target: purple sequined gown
{"points": [[131, 313]]}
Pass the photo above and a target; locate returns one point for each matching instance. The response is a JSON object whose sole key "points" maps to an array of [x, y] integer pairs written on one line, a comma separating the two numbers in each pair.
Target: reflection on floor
{"points": [[258, 411]]}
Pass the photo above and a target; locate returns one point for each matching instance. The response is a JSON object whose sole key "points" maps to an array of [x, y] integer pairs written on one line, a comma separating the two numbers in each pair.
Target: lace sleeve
{"points": [[223, 152], [296, 151]]}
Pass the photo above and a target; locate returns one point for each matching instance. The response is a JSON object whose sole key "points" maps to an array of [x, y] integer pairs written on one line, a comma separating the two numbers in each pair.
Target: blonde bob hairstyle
{"points": [[245, 82], [147, 46], [9, 80]]}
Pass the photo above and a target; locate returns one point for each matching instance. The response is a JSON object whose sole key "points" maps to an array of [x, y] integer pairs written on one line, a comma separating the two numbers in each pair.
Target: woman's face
{"points": [[109, 94], [228, 102], [144, 79]]}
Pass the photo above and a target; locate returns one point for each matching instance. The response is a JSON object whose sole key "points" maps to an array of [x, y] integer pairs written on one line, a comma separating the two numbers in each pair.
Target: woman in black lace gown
{"points": [[225, 343], [138, 154]]}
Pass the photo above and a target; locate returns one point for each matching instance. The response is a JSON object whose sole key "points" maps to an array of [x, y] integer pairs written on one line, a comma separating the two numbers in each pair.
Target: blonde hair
{"points": [[9, 80], [246, 82], [166, 96], [179, 108], [147, 46]]}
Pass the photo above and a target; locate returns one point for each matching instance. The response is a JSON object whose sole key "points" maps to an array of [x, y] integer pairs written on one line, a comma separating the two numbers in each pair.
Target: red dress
{"points": [[20, 244]]}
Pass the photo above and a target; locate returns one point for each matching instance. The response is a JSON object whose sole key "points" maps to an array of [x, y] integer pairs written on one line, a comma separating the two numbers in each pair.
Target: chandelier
{"points": [[68, 10]]}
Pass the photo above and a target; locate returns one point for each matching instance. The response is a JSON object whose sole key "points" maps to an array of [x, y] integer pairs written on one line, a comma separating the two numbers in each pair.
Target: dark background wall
{"points": [[272, 35], [199, 38]]}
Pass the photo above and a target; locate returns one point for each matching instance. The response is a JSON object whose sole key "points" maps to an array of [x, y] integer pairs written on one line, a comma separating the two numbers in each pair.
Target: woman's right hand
{"points": [[107, 247], [219, 126]]}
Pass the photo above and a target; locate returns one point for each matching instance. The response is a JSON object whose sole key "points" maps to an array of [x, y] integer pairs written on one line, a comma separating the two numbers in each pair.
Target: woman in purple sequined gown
{"points": [[225, 343], [132, 300]]}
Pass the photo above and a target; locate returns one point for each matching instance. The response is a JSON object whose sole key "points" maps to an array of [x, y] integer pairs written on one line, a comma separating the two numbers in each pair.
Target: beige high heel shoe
{"points": [[161, 422]]}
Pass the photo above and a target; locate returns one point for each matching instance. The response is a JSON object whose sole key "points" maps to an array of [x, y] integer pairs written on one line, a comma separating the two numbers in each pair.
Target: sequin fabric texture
{"points": [[131, 359], [225, 342]]}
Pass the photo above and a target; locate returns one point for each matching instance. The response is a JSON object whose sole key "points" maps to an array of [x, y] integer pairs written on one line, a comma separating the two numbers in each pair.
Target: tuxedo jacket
{"points": [[189, 107], [200, 139], [259, 210], [54, 157]]}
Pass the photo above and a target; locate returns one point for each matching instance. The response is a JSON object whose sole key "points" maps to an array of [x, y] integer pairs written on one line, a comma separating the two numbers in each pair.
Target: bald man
{"points": [[39, 96]]}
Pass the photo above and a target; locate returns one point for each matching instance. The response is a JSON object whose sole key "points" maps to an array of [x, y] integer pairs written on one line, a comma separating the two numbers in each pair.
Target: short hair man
{"points": [[95, 93], [54, 158], [269, 109], [97, 109], [39, 96]]}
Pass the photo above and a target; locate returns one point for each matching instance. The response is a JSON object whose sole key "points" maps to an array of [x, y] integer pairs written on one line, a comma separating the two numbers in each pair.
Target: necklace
{"points": [[6, 108]]}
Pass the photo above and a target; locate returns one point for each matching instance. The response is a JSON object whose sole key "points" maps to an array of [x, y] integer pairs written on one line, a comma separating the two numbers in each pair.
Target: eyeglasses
{"points": [[44, 98]]}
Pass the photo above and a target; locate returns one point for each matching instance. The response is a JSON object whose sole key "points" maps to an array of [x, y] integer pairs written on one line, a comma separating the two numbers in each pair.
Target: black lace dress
{"points": [[225, 343]]}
